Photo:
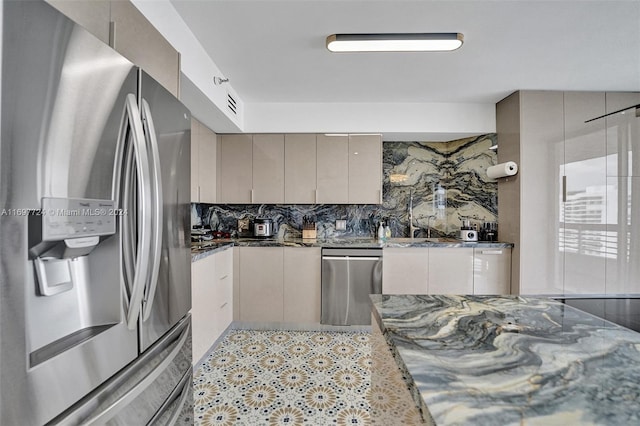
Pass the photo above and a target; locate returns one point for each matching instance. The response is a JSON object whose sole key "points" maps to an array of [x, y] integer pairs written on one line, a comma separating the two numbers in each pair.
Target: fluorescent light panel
{"points": [[394, 42]]}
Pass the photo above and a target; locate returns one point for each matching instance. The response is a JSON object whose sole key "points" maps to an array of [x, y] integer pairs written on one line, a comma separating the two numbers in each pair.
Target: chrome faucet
{"points": [[412, 229], [429, 225]]}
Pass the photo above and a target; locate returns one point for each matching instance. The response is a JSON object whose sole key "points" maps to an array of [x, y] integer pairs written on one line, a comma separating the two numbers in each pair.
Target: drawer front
{"points": [[224, 263]]}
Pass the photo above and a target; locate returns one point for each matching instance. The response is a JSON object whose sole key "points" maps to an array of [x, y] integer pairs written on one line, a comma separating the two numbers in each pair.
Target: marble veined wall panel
{"points": [[447, 181]]}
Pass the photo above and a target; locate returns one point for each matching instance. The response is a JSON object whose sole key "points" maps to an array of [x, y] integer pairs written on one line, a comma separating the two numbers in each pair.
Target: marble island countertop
{"points": [[205, 248], [511, 360]]}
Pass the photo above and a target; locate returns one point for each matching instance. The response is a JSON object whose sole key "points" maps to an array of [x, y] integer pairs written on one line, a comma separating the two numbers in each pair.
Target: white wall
{"points": [[397, 121], [431, 121], [197, 67]]}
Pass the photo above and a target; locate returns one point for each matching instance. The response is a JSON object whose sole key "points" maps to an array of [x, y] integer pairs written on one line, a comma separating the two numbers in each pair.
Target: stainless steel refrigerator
{"points": [[94, 232]]}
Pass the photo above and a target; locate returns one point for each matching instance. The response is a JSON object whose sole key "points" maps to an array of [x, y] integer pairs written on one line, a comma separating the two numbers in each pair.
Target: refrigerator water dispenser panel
{"points": [[76, 217], [65, 229], [70, 227]]}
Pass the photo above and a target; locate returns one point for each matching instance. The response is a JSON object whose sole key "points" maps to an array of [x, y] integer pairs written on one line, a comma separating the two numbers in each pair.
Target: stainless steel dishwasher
{"points": [[349, 276]]}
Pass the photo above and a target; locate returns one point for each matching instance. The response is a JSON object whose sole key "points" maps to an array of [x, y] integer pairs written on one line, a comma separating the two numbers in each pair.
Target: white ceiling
{"points": [[274, 51]]}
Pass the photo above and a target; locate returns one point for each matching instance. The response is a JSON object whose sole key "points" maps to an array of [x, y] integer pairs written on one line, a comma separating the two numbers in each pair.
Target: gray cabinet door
{"points": [[268, 169], [137, 40], [491, 271], [333, 169], [365, 169], [207, 158], [299, 168], [235, 169], [93, 15], [261, 289], [302, 284], [195, 151]]}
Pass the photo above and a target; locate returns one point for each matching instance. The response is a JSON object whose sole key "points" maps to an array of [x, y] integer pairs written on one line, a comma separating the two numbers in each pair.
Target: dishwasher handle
{"points": [[350, 258]]}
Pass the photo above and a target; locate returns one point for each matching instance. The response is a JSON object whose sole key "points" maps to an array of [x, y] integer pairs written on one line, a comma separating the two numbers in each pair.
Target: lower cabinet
{"points": [[302, 268], [405, 270], [211, 299], [442, 270], [492, 271], [279, 284], [261, 284], [450, 271]]}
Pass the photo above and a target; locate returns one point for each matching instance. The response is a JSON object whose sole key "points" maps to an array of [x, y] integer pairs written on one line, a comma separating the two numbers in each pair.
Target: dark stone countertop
{"points": [[511, 360], [206, 248]]}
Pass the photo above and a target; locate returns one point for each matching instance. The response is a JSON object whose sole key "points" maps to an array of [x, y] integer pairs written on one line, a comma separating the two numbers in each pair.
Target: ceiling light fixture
{"points": [[394, 42]]}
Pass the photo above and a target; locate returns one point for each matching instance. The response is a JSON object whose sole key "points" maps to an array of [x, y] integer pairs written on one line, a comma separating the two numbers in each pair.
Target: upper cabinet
{"points": [[251, 169], [300, 169], [203, 163], [235, 169], [120, 24], [332, 169], [94, 15], [137, 40], [195, 165], [365, 169], [268, 169]]}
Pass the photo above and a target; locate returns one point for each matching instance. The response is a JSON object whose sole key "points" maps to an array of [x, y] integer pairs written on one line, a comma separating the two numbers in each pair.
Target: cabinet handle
{"points": [[224, 304], [491, 251], [564, 188], [224, 277], [315, 194], [199, 193], [251, 195], [380, 195]]}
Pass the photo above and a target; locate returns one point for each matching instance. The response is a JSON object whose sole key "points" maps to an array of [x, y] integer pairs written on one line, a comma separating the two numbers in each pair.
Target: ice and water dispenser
{"points": [[66, 229], [74, 292]]}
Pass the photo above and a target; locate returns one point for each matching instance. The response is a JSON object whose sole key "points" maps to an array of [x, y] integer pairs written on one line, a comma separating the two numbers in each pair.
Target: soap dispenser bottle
{"points": [[381, 231]]}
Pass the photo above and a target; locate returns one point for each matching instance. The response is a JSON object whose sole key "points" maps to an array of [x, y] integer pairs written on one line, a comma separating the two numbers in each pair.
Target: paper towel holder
{"points": [[508, 169]]}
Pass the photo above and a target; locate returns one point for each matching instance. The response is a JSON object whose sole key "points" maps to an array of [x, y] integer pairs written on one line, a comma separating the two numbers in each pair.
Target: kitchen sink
{"points": [[423, 240], [411, 240]]}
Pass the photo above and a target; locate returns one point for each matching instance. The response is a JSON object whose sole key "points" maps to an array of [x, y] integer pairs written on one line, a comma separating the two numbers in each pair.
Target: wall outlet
{"points": [[341, 225]]}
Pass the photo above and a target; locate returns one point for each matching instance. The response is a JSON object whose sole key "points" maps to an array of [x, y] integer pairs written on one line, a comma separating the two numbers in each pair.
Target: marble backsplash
{"points": [[447, 181]]}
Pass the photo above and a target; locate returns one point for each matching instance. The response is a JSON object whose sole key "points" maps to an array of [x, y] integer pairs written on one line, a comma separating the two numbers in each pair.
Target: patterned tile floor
{"points": [[285, 378]]}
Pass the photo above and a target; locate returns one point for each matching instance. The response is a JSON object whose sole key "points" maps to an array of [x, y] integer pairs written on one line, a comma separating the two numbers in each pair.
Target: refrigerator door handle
{"points": [[156, 236], [140, 272], [122, 402], [123, 201]]}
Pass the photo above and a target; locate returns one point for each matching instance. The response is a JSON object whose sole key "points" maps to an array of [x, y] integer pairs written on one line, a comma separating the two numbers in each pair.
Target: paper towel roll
{"points": [[501, 170]]}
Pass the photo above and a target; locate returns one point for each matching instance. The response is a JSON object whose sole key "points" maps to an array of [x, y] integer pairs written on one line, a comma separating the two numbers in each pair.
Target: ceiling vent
{"points": [[231, 104]]}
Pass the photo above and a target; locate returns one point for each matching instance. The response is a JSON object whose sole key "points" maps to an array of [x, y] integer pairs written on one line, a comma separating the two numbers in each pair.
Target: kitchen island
{"points": [[498, 360]]}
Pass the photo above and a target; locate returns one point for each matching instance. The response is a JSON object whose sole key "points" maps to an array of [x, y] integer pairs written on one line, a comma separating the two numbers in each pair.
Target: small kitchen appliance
{"points": [[263, 227], [467, 233]]}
